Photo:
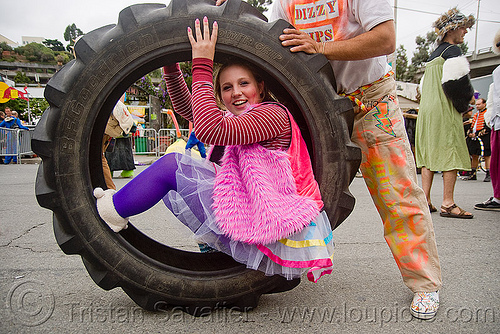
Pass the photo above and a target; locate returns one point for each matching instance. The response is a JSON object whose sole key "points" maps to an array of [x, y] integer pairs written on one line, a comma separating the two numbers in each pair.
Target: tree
{"points": [[5, 47], [422, 52], [37, 107], [20, 77], [36, 52], [54, 44], [261, 5], [464, 47], [401, 63], [71, 33], [62, 57]]}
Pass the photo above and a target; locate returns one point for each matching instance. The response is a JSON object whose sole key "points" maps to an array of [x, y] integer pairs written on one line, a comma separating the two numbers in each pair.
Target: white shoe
{"points": [[107, 211], [425, 305]]}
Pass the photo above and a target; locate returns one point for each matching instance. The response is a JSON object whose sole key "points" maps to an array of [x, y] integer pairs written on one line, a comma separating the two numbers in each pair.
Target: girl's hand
{"points": [[219, 2], [204, 44]]}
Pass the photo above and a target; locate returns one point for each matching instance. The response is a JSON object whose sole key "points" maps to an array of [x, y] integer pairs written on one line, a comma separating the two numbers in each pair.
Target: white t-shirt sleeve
{"points": [[370, 13]]}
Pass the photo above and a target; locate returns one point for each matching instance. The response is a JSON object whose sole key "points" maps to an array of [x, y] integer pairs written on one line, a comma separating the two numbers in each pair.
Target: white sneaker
{"points": [[107, 210], [425, 305]]}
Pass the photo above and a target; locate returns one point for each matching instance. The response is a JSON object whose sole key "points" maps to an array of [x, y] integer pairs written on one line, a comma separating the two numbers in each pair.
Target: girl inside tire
{"points": [[260, 203]]}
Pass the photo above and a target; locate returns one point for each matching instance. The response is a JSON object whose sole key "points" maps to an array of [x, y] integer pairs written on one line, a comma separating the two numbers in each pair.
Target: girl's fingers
{"points": [[190, 36], [215, 30], [206, 32], [202, 34], [197, 27]]}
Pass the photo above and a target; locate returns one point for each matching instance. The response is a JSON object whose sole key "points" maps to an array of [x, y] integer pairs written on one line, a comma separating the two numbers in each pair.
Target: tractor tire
{"points": [[81, 97]]}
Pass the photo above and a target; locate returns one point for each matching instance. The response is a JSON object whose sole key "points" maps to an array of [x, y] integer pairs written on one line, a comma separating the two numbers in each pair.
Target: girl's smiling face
{"points": [[239, 90]]}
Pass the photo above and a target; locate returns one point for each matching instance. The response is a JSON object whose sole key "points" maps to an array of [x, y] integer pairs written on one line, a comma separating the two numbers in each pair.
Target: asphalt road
{"points": [[45, 291]]}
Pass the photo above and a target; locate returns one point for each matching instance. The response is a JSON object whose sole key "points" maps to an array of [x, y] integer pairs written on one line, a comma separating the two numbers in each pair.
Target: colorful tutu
{"points": [[310, 250]]}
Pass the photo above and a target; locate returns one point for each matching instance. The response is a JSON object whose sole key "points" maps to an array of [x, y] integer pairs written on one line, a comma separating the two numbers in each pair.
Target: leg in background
{"points": [[108, 176], [427, 178], [449, 180]]}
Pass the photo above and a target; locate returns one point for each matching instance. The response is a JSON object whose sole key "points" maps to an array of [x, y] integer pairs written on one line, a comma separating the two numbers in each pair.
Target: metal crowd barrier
{"points": [[15, 142], [145, 141], [150, 141], [167, 137]]}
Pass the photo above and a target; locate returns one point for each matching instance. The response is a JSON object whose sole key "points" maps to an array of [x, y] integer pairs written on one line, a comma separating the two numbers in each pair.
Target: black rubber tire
{"points": [[81, 96]]}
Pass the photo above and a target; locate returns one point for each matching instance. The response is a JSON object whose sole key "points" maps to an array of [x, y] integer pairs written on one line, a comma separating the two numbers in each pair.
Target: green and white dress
{"points": [[440, 137]]}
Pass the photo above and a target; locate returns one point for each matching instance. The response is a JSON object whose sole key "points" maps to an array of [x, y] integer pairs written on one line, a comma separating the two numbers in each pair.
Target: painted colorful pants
{"points": [[388, 168]]}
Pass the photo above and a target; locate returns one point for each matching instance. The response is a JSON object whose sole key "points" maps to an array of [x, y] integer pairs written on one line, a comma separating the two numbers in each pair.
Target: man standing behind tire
{"points": [[356, 36]]}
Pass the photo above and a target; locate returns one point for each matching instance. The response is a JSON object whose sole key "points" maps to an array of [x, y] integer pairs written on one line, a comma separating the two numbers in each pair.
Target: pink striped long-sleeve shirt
{"points": [[267, 123]]}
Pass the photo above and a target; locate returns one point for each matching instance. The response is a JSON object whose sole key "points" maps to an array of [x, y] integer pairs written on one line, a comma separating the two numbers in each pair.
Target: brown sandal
{"points": [[447, 213], [432, 208]]}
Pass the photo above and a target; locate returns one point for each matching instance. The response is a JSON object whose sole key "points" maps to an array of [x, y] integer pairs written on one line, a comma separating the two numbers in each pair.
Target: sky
{"points": [[49, 18]]}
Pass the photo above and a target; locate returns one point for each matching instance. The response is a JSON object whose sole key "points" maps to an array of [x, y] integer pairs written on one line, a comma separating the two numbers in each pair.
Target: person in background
{"points": [[446, 94], [467, 121], [11, 122], [410, 123], [479, 130], [120, 123], [492, 118], [2, 117], [120, 156]]}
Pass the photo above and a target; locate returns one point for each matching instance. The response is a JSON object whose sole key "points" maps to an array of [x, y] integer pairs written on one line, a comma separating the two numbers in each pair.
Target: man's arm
{"points": [[379, 41], [20, 124]]}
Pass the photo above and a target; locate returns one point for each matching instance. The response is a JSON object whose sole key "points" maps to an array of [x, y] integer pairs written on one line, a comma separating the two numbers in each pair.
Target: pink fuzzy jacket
{"points": [[261, 196]]}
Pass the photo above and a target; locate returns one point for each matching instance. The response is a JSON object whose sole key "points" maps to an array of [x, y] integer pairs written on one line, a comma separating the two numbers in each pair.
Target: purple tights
{"points": [[147, 188]]}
